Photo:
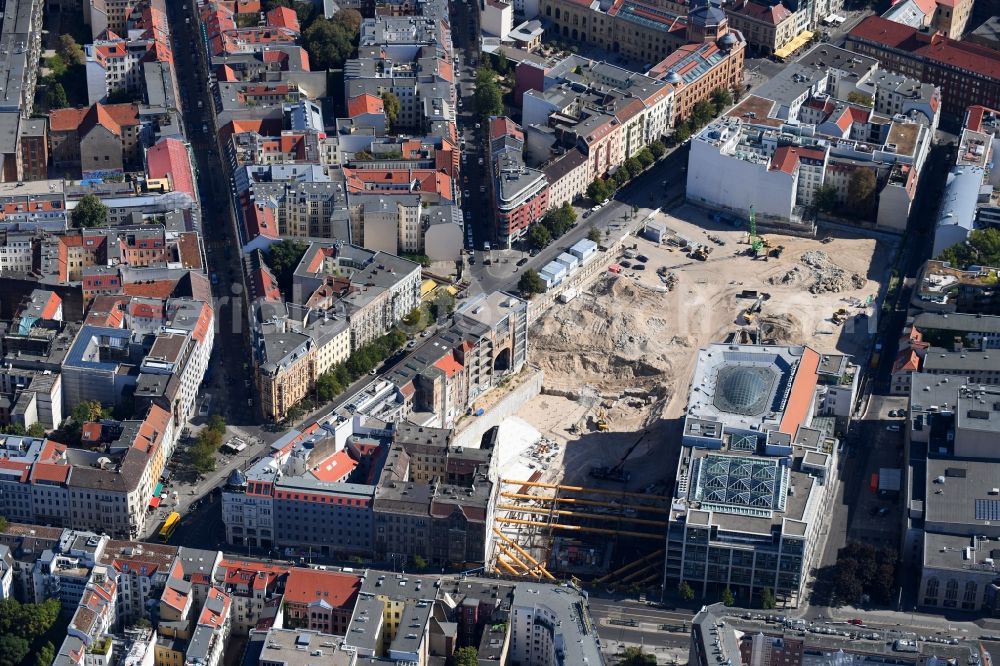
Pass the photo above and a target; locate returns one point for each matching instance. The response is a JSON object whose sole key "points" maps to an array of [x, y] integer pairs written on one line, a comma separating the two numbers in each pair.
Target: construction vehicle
{"points": [[602, 424], [776, 251], [700, 252], [618, 474], [840, 316]]}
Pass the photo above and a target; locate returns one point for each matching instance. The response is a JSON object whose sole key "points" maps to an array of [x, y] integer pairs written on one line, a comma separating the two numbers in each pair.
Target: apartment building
{"points": [[519, 192], [766, 28], [752, 157], [965, 72], [604, 112], [100, 138], [320, 600], [345, 297]]}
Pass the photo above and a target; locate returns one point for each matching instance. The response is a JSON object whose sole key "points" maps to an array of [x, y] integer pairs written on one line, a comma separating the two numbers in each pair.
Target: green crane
{"points": [[756, 244]]}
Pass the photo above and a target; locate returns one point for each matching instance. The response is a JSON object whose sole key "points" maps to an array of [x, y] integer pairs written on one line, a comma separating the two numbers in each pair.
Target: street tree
{"points": [[634, 656], [622, 176], [530, 283], [646, 157], [687, 594], [594, 234], [721, 98], [767, 601], [90, 212], [539, 236], [702, 113], [727, 597], [634, 166], [682, 133], [658, 149], [598, 190]]}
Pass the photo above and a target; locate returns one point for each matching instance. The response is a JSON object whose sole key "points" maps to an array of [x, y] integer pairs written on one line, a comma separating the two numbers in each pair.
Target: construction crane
{"points": [[756, 242], [617, 473]]}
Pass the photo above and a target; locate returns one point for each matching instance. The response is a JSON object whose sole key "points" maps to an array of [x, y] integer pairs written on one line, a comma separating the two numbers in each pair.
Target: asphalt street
{"points": [[659, 186]]}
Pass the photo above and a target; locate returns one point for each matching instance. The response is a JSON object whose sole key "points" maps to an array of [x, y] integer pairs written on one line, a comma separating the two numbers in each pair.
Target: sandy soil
{"points": [[624, 349]]}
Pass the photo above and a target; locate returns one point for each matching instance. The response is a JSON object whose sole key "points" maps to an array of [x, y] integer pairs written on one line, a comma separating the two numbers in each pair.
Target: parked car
{"points": [[522, 261], [643, 258], [856, 621], [892, 428]]}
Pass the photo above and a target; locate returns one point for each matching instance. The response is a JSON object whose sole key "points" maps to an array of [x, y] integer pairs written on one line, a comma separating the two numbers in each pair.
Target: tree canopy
{"points": [[488, 98], [466, 656], [365, 359], [826, 198], [861, 191], [722, 98], [23, 627], [330, 41], [634, 656], [530, 283], [70, 52], [391, 105], [283, 257], [863, 569], [981, 248], [599, 190], [90, 212], [539, 235]]}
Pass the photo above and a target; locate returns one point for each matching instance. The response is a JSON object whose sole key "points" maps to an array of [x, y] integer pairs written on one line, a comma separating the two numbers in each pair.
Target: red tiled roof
{"points": [[49, 472], [449, 365], [169, 159], [154, 289], [335, 468], [112, 117], [91, 431], [366, 103], [283, 17], [937, 48], [786, 158], [906, 361], [304, 586]]}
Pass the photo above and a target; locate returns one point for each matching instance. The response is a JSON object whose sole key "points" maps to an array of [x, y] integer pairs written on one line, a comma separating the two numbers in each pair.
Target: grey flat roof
{"points": [[579, 642], [302, 647], [955, 321], [941, 360], [964, 483]]}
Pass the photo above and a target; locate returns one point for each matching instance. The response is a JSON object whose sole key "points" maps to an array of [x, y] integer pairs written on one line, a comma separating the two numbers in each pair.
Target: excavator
{"points": [[618, 474]]}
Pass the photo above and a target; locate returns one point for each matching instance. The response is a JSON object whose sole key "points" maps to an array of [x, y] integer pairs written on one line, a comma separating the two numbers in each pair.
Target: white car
{"points": [[480, 161]]}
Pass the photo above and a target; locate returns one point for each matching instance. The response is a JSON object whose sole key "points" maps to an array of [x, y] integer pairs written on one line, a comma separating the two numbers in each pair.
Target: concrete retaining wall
{"points": [[471, 434]]}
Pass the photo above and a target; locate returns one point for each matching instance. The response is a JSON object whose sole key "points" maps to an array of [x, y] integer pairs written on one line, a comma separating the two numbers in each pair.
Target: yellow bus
{"points": [[169, 526]]}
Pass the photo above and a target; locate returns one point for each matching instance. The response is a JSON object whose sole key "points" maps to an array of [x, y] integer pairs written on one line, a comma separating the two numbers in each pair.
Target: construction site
{"points": [[618, 360]]}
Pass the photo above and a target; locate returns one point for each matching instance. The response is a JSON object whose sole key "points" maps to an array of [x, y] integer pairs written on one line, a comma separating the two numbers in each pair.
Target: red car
{"points": [[856, 621]]}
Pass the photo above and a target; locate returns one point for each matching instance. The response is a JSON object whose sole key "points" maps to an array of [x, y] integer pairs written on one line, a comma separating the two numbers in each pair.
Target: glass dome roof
{"points": [[744, 390]]}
